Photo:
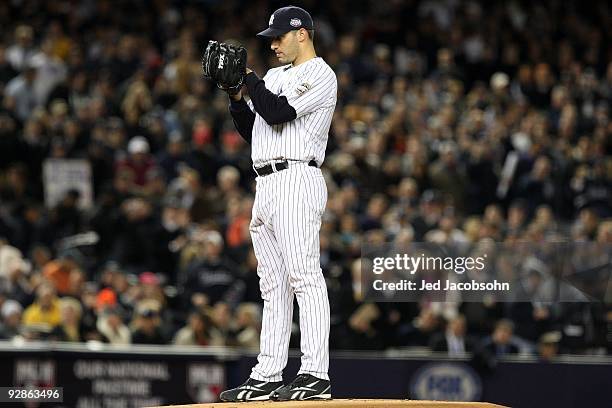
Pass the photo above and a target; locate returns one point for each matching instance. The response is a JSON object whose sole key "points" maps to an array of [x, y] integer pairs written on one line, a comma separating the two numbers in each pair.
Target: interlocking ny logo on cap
{"points": [[271, 20], [295, 22]]}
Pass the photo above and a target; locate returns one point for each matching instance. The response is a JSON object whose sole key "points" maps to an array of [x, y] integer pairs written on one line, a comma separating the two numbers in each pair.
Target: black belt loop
{"points": [[276, 167]]}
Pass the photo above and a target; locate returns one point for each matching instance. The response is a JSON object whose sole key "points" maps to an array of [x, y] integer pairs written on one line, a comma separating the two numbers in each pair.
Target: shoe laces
{"points": [[250, 381], [300, 380]]}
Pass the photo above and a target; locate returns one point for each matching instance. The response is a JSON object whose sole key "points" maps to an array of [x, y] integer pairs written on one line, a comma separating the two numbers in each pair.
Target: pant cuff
{"points": [[259, 377], [318, 374]]}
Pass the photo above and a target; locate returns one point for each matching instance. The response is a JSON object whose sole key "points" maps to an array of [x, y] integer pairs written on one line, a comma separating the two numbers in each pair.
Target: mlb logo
{"points": [[295, 22], [302, 88]]}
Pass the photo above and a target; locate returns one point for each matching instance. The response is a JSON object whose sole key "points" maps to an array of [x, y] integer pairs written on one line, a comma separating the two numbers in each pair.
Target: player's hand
{"points": [[235, 97]]}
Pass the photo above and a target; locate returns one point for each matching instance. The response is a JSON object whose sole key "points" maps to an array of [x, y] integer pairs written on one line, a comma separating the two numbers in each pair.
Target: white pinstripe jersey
{"points": [[311, 89]]}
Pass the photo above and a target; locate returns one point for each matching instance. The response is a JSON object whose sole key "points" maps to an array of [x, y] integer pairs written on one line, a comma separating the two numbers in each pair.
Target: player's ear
{"points": [[302, 35]]}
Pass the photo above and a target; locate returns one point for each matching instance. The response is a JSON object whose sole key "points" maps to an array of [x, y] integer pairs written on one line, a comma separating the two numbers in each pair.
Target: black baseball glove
{"points": [[226, 65]]}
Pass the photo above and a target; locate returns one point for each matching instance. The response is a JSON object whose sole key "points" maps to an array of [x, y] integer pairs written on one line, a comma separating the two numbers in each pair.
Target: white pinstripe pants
{"points": [[285, 229]]}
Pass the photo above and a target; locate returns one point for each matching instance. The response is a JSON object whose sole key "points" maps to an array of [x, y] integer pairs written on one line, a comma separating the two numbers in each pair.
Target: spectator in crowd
{"points": [[548, 346], [21, 92], [105, 299], [13, 274], [92, 302], [135, 225], [517, 215], [147, 324], [455, 340], [45, 311], [23, 49], [248, 326], [237, 222], [363, 332], [11, 312], [50, 71], [501, 342], [70, 328], [9, 258], [58, 272], [202, 203], [213, 275], [139, 162], [419, 331], [7, 72], [173, 155], [111, 326], [221, 319], [604, 233], [447, 174], [195, 333], [65, 218]]}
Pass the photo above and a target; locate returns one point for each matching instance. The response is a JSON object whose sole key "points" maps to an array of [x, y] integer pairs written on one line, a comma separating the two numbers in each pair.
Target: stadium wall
{"points": [[100, 375]]}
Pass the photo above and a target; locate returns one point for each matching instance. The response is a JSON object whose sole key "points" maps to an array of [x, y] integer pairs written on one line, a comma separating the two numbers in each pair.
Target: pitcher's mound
{"points": [[343, 403]]}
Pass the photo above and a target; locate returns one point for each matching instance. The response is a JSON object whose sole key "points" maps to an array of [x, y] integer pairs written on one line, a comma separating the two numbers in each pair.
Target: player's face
{"points": [[285, 47]]}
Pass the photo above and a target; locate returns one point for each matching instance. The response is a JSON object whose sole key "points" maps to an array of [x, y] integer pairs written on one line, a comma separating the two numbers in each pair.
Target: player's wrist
{"points": [[235, 97]]}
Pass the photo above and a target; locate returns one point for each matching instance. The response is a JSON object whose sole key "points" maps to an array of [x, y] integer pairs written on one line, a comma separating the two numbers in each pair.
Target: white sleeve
{"points": [[315, 90]]}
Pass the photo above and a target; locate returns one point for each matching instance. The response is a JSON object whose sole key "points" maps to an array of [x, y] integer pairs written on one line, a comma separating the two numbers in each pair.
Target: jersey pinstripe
{"points": [[311, 89]]}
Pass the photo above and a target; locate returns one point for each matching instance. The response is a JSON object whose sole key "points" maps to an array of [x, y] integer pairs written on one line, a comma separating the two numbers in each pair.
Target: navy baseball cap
{"points": [[286, 19]]}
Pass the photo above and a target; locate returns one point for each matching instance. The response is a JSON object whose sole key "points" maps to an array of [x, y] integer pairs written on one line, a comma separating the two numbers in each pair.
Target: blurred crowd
{"points": [[456, 122]]}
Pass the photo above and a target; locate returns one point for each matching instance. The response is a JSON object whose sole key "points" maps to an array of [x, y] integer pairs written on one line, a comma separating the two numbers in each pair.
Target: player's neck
{"points": [[307, 55]]}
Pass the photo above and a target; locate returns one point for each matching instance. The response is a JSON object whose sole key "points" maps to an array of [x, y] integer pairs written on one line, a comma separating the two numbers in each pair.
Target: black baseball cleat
{"points": [[251, 390], [304, 387]]}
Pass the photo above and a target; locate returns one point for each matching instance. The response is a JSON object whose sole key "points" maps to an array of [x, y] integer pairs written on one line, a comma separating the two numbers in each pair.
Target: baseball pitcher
{"points": [[287, 121]]}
